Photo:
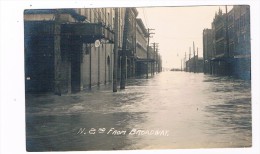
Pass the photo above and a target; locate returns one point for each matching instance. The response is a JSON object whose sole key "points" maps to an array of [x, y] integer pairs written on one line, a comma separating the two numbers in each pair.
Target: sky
{"points": [[176, 28]]}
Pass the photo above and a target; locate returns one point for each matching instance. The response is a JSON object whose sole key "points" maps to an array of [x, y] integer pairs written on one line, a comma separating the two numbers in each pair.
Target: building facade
{"points": [[229, 51], [141, 48], [208, 51], [60, 51], [69, 50], [194, 64], [220, 62], [241, 42]]}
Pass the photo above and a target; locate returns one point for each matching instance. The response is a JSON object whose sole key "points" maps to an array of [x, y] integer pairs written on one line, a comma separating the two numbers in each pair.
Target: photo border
{"points": [[13, 139]]}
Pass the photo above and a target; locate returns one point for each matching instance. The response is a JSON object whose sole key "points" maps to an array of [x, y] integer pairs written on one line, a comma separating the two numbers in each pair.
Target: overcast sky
{"points": [[176, 28]]}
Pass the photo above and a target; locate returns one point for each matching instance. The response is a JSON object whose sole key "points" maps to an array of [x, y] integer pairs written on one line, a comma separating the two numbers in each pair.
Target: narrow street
{"points": [[171, 110]]}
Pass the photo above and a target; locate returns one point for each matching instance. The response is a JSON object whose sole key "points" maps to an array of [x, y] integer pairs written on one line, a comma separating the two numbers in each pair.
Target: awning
{"points": [[72, 12], [144, 60], [89, 32], [224, 59]]}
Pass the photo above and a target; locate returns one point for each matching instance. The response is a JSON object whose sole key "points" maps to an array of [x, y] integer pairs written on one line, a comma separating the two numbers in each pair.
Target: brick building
{"points": [[194, 64], [207, 50], [130, 41], [220, 61], [60, 55], [68, 50], [241, 46], [226, 47], [141, 47]]}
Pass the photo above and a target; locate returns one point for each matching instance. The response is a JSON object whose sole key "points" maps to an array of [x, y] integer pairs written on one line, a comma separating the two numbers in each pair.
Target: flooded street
{"points": [[171, 110]]}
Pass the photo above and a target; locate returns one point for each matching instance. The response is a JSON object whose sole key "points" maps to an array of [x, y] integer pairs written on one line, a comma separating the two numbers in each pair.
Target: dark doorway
{"points": [[108, 69], [39, 57], [76, 51]]}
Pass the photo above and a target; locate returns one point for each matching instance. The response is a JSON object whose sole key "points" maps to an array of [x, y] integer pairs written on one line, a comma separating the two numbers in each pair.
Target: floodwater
{"points": [[172, 110]]}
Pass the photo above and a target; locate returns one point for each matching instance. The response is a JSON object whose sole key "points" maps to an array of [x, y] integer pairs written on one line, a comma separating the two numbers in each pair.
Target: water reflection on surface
{"points": [[198, 111]]}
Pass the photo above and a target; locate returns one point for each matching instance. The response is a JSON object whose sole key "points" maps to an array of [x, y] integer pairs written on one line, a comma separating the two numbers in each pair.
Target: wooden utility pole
{"points": [[90, 67], [154, 56], [148, 42], [185, 66], [194, 61], [198, 52], [197, 60], [181, 64], [115, 51], [98, 66], [57, 55], [227, 36], [156, 62], [227, 45], [123, 62], [189, 59]]}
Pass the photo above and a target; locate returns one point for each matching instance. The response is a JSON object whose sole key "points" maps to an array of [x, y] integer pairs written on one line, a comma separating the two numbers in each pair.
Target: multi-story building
{"points": [[194, 64], [131, 43], [96, 62], [141, 48], [60, 50], [68, 50], [241, 38], [220, 62], [229, 51], [207, 50]]}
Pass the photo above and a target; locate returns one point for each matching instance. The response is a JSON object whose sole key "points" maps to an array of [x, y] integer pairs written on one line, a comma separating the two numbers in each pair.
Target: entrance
{"points": [[76, 48], [39, 57]]}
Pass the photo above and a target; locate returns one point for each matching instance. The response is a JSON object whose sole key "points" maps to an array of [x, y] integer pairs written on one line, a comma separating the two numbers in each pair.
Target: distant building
{"points": [[150, 60], [194, 64]]}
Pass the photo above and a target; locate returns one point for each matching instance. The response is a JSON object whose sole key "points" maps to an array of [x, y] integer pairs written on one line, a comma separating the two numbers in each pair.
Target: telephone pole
{"points": [[227, 36], [123, 62], [197, 59], [157, 61], [194, 65], [154, 56], [181, 65], [189, 59], [115, 51], [148, 42], [185, 66], [227, 69]]}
